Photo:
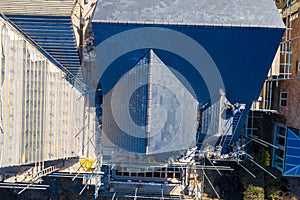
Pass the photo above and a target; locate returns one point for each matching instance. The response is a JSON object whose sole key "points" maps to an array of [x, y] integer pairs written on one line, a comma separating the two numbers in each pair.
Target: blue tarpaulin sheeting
{"points": [[292, 155], [240, 44]]}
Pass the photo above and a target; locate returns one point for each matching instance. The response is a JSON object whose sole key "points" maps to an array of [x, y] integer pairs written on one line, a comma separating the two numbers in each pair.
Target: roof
{"points": [[48, 24], [292, 154], [238, 38], [37, 7], [56, 38], [220, 12], [154, 121]]}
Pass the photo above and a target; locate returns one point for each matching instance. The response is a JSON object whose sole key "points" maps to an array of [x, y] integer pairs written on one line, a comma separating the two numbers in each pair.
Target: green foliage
{"points": [[264, 157], [254, 193]]}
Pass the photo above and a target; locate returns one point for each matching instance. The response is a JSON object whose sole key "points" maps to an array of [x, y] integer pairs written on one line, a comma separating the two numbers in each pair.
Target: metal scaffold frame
{"points": [[34, 129], [286, 44], [283, 72]]}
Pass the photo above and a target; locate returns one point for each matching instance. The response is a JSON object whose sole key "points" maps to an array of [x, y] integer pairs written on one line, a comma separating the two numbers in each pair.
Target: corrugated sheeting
{"points": [[55, 35], [37, 7]]}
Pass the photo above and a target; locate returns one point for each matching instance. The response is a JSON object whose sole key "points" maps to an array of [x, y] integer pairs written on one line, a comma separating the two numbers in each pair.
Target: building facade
{"points": [[281, 93]]}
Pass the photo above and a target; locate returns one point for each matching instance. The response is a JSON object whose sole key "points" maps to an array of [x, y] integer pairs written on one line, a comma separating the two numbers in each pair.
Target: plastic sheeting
{"points": [[292, 154], [42, 114]]}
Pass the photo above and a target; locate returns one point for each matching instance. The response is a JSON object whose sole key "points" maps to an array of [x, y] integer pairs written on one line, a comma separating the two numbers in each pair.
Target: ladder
{"points": [[285, 46]]}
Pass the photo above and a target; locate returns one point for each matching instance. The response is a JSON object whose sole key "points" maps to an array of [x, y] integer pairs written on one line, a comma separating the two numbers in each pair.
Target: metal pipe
{"points": [[24, 188], [248, 155], [214, 189], [214, 167], [150, 197], [79, 169], [246, 170], [135, 193], [62, 176], [259, 142], [267, 94], [266, 143], [263, 168], [113, 197], [252, 122], [246, 143], [21, 184], [271, 93], [289, 39], [85, 185]]}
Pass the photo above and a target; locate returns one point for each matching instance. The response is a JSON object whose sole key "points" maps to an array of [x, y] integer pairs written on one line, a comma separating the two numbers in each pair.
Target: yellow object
{"points": [[193, 182], [87, 164]]}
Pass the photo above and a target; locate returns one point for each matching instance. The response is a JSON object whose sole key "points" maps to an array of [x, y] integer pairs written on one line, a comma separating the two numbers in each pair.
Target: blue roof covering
{"points": [[240, 37], [55, 35], [292, 155], [241, 55]]}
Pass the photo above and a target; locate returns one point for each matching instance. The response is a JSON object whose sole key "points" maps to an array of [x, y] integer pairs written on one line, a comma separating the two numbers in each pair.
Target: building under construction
{"points": [[280, 94], [138, 99]]}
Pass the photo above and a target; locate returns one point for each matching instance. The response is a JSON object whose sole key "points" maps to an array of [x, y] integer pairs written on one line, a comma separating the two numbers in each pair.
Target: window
{"points": [[298, 66], [283, 98]]}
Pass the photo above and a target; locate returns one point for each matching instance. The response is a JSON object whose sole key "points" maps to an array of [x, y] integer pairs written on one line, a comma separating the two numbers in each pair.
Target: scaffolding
{"points": [[46, 122], [281, 66], [42, 110], [49, 118], [285, 46]]}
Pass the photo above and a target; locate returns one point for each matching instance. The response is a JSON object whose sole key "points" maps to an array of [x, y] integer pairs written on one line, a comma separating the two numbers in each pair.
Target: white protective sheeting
{"points": [[42, 114]]}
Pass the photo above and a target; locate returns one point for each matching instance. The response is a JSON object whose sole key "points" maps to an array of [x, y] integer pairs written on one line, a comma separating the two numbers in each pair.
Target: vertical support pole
{"points": [[271, 93], [289, 38], [1, 93], [45, 113], [220, 116], [26, 107], [135, 193], [266, 101], [252, 123]]}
